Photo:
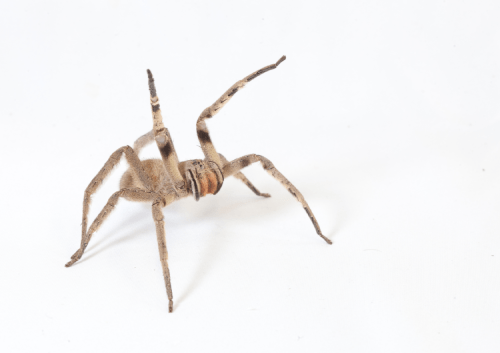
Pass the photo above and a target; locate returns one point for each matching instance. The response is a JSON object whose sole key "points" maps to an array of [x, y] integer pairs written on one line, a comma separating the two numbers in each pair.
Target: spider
{"points": [[164, 181]]}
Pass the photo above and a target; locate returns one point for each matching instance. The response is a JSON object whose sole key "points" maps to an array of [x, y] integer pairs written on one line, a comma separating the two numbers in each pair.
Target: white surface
{"points": [[385, 115]]}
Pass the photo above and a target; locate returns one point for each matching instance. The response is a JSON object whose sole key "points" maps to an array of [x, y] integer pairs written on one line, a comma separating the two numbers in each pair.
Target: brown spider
{"points": [[165, 181]]}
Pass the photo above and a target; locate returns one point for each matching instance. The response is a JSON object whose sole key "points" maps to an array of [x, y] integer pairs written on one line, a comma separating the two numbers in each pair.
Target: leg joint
{"points": [[266, 163]]}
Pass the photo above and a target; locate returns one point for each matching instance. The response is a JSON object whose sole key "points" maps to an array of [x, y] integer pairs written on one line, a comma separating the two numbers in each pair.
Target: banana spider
{"points": [[165, 181]]}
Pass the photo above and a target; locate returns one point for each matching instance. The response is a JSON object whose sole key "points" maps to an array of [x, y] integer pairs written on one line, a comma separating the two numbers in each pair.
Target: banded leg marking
{"points": [[243, 178], [201, 127], [163, 139]]}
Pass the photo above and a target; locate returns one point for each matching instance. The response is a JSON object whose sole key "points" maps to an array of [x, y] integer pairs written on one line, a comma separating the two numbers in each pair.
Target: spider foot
{"points": [[71, 262], [170, 306], [325, 238], [265, 195], [75, 257]]}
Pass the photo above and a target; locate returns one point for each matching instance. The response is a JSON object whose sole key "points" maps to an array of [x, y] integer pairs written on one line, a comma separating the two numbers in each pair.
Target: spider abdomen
{"points": [[154, 169]]}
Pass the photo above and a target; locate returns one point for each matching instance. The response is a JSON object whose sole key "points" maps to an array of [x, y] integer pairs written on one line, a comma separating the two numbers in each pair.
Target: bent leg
{"points": [[201, 127], [243, 178], [235, 166], [114, 159], [136, 194]]}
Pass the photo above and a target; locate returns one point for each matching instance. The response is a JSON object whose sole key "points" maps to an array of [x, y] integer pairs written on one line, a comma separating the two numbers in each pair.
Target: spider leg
{"points": [[243, 178], [201, 127], [113, 160], [236, 165], [143, 141], [136, 194], [162, 246], [163, 139]]}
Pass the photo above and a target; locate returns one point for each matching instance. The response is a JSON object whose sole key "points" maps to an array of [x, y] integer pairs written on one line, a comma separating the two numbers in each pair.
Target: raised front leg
{"points": [[201, 127], [235, 166], [163, 139], [162, 247]]}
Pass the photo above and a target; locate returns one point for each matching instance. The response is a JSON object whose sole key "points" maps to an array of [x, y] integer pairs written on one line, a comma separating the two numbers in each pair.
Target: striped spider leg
{"points": [[234, 167]]}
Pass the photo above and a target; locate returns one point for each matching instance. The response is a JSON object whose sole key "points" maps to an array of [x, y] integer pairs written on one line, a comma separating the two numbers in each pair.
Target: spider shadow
{"points": [[281, 204], [223, 206], [211, 251], [141, 227], [116, 234]]}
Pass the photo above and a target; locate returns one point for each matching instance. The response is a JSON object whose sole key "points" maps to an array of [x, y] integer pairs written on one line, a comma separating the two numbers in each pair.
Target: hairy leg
{"points": [[201, 127], [162, 246], [235, 166], [163, 139], [243, 178], [143, 141], [114, 159], [136, 194]]}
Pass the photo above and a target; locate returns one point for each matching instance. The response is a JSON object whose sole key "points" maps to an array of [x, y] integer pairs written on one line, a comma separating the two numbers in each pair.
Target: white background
{"points": [[385, 115]]}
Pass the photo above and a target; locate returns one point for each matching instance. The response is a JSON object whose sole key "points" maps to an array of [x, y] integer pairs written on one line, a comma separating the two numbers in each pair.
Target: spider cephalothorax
{"points": [[164, 181]]}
